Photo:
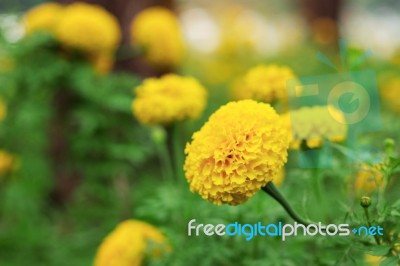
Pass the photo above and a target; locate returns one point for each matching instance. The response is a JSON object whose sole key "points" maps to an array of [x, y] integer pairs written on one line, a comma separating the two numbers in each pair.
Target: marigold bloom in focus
{"points": [[128, 244], [280, 177], [43, 17], [368, 179], [168, 99], [3, 110], [241, 148], [6, 162], [266, 83], [156, 30], [89, 28], [314, 124]]}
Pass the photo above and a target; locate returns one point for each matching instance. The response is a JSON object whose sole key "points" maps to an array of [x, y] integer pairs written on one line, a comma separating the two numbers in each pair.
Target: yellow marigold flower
{"points": [[89, 28], [168, 99], [6, 162], [280, 177], [43, 17], [390, 92], [3, 110], [314, 124], [156, 30], [128, 244], [368, 179], [266, 83], [241, 148]]}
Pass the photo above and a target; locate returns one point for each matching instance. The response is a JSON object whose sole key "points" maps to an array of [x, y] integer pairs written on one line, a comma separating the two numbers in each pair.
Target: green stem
{"points": [[165, 159], [178, 151], [369, 224], [316, 175], [271, 190]]}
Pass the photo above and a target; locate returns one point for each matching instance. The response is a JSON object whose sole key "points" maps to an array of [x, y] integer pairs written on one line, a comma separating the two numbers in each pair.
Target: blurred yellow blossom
{"points": [[168, 99], [266, 83], [157, 32], [314, 124], [43, 17], [129, 244], [368, 178], [241, 148], [6, 162], [89, 28]]}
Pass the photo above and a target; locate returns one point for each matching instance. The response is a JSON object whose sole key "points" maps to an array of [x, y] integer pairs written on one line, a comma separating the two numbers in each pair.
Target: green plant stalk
{"points": [[178, 151], [369, 224], [317, 183], [165, 159], [271, 190]]}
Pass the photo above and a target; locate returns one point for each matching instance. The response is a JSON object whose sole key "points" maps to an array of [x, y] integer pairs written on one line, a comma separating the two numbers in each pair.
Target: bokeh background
{"points": [[75, 161]]}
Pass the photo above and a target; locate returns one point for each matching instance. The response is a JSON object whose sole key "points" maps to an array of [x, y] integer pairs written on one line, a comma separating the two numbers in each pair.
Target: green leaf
{"points": [[379, 250], [390, 261]]}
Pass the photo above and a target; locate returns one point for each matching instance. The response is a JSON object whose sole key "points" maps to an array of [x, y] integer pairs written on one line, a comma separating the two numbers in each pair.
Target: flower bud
{"points": [[365, 202]]}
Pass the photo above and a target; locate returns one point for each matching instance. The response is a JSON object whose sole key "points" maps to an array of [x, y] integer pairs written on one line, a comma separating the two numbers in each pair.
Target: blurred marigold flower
{"points": [[3, 110], [89, 28], [168, 99], [390, 92], [129, 244], [43, 17], [241, 148], [156, 30], [314, 124], [266, 83], [368, 179], [6, 162]]}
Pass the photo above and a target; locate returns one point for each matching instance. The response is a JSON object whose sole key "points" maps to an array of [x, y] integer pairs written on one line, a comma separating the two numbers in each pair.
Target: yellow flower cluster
{"points": [[6, 162], [84, 27], [314, 124], [368, 179], [89, 28], [266, 83], [128, 244], [390, 92], [168, 99], [43, 17], [3, 110], [156, 31], [241, 148]]}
